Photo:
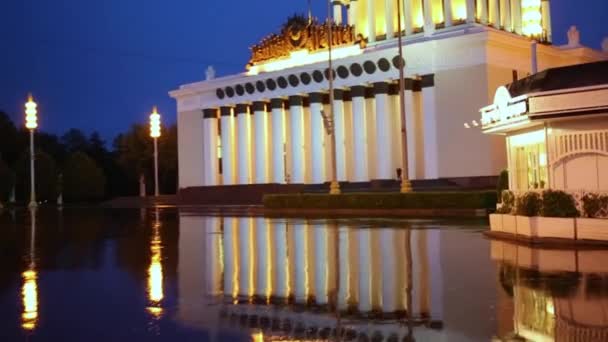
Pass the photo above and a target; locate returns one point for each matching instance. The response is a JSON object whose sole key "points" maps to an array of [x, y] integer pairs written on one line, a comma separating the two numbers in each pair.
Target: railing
{"points": [[564, 145]]}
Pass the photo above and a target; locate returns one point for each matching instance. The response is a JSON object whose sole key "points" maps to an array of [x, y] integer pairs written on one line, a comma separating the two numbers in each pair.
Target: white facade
{"points": [[453, 66]]}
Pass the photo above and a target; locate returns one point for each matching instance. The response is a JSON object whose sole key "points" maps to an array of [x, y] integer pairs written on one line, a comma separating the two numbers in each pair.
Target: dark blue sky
{"points": [[102, 65]]}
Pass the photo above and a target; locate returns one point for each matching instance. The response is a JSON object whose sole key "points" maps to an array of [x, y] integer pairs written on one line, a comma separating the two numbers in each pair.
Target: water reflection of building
{"points": [[556, 295], [293, 271]]}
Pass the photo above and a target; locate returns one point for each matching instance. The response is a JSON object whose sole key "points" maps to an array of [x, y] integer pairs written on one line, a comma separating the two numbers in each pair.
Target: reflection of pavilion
{"points": [[558, 295], [300, 266]]}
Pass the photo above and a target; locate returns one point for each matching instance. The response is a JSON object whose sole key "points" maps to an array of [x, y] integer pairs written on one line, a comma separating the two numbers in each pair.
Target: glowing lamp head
{"points": [[531, 18], [154, 124], [31, 120]]}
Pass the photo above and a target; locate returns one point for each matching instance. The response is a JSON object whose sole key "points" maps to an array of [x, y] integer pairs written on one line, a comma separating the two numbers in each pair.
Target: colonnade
{"points": [[377, 19], [307, 261], [283, 140]]}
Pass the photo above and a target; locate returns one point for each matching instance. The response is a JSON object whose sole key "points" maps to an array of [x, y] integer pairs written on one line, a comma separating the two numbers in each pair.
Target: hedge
{"points": [[413, 200]]}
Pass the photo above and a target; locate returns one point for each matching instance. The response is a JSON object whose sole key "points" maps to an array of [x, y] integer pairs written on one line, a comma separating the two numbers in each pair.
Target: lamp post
{"points": [[155, 134], [406, 186], [334, 186], [31, 123]]}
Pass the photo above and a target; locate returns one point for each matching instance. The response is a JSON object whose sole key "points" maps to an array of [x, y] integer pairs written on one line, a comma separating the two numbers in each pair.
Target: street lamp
{"points": [[334, 186], [31, 123], [406, 186], [155, 134]]}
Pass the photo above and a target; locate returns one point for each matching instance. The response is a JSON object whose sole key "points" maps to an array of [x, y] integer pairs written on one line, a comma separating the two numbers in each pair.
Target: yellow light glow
{"points": [[304, 57], [29, 293], [154, 123], [437, 8], [417, 14], [459, 9], [257, 337], [155, 275], [531, 18], [31, 120]]}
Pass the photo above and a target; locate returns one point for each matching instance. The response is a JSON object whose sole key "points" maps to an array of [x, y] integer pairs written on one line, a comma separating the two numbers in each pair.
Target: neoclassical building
{"points": [[264, 126]]}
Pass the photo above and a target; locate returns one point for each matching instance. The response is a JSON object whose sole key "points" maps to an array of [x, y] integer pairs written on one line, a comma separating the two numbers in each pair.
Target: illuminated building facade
{"points": [[264, 126]]}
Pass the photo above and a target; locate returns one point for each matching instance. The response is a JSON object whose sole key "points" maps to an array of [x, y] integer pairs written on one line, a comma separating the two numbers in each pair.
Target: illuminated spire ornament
{"points": [[155, 123], [31, 120]]}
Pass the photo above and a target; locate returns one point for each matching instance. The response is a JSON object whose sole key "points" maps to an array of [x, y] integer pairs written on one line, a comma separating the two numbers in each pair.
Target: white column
{"points": [[246, 256], [317, 139], [406, 11], [365, 270], [389, 15], [297, 167], [371, 21], [352, 14], [228, 144], [413, 132], [230, 257], [429, 25], [261, 142], [278, 141], [429, 108], [470, 11], [516, 15], [482, 5], [348, 135], [447, 12], [395, 122], [505, 15], [281, 266], [495, 13], [321, 263], [361, 173], [263, 261], [190, 144], [339, 131], [301, 263], [546, 19], [370, 108], [244, 144], [210, 157], [337, 11], [384, 146]]}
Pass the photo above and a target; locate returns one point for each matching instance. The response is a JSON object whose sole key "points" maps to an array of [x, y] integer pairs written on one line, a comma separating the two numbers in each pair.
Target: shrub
{"points": [[558, 204], [502, 185], [6, 182], [508, 202], [46, 177], [414, 200], [593, 204], [529, 204], [82, 179]]}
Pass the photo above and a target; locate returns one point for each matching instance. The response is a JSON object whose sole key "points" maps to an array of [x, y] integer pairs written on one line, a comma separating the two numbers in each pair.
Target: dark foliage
{"points": [[503, 184], [82, 179], [558, 204], [529, 204]]}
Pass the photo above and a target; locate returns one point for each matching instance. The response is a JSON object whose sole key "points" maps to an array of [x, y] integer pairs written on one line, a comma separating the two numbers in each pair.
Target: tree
{"points": [[46, 177], [9, 149], [75, 140], [83, 179], [6, 182]]}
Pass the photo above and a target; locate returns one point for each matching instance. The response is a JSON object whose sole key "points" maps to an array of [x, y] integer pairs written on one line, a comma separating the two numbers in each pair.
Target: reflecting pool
{"points": [[165, 275]]}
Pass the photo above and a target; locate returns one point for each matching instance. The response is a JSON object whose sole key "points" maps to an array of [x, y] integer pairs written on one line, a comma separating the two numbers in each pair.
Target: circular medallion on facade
{"points": [[294, 81], [384, 64], [342, 71], [240, 90], [305, 78], [396, 61], [249, 88], [317, 76], [356, 69], [282, 82], [271, 84], [220, 93], [259, 85], [369, 67], [333, 73], [230, 91]]}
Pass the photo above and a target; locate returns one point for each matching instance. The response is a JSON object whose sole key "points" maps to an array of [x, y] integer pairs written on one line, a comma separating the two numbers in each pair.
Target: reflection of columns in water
{"points": [[263, 259], [349, 265], [321, 262], [246, 256], [213, 259], [376, 269], [281, 265], [365, 270], [402, 256], [230, 257], [389, 270], [301, 262], [427, 295]]}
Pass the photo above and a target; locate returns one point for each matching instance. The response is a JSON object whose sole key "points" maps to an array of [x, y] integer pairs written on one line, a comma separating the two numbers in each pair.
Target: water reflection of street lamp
{"points": [[155, 272], [31, 123], [155, 134], [29, 290]]}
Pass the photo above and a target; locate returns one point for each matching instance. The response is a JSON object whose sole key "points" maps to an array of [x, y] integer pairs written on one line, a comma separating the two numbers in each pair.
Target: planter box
{"points": [[555, 227], [527, 226], [592, 229], [509, 224], [496, 222]]}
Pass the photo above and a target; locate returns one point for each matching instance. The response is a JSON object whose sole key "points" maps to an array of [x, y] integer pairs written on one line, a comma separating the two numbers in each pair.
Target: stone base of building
{"points": [[252, 194]]}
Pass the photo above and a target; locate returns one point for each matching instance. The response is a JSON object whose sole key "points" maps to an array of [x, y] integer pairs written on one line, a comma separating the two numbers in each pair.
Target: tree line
{"points": [[81, 167]]}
